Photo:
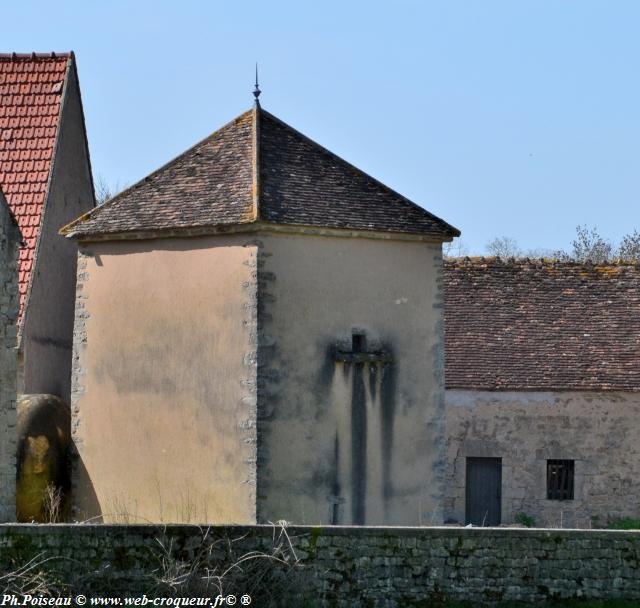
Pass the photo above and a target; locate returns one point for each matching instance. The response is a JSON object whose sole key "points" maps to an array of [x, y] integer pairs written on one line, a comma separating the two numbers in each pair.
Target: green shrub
{"points": [[625, 523], [525, 520]]}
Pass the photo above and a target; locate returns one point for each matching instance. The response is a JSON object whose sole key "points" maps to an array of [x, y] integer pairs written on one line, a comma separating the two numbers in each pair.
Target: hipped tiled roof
{"points": [[257, 168], [541, 325], [31, 89]]}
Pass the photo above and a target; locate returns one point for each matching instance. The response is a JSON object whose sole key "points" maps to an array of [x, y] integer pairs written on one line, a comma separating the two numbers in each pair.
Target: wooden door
{"points": [[484, 491]]}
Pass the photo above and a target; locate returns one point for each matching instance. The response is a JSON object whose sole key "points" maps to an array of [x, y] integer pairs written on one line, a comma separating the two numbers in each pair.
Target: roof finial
{"points": [[257, 91]]}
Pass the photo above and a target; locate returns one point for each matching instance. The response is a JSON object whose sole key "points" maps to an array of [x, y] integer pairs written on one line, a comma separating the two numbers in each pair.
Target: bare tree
{"points": [[104, 190], [588, 246], [504, 247], [538, 253], [454, 249], [629, 248]]}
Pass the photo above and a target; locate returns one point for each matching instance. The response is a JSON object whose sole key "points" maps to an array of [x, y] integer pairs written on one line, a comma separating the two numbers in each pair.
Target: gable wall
{"points": [[164, 381], [332, 434], [48, 324], [9, 245], [599, 430]]}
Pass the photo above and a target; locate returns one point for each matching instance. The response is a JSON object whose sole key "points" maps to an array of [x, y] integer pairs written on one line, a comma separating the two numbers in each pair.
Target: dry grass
{"points": [[196, 567], [220, 565], [52, 504]]}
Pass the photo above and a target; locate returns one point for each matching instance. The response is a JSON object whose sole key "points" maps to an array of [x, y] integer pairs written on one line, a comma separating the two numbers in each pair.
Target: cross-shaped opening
{"points": [[361, 349]]}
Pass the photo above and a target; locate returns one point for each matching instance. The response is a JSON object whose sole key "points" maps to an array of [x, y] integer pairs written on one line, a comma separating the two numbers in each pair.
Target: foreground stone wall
{"points": [[597, 430], [9, 243], [341, 566]]}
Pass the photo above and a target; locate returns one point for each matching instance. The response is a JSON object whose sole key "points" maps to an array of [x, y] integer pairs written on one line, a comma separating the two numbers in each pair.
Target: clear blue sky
{"points": [[517, 118]]}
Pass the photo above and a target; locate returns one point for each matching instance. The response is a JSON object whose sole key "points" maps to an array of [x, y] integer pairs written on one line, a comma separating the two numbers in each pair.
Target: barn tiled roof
{"points": [[541, 325], [31, 89], [257, 168]]}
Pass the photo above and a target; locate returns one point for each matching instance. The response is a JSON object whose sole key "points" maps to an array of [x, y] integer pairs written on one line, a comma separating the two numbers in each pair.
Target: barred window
{"points": [[560, 479]]}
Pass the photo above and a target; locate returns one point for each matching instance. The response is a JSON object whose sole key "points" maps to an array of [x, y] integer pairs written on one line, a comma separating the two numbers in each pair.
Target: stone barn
{"points": [[46, 177], [543, 392], [259, 336]]}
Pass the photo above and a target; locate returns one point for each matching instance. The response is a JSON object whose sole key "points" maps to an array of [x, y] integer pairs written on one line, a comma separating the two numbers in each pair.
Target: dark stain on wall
{"points": [[133, 365], [388, 405], [373, 380], [322, 384], [366, 365], [358, 446], [346, 369], [335, 489]]}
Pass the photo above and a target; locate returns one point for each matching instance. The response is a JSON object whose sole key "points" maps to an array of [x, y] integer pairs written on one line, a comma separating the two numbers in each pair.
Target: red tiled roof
{"points": [[30, 94], [541, 325]]}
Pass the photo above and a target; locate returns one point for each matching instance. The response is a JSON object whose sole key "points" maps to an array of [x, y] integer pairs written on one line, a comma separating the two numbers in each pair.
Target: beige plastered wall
{"points": [[313, 291], [47, 331], [164, 381], [599, 430]]}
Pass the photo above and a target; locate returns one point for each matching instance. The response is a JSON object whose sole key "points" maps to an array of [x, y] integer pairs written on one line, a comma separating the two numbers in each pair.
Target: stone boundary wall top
{"points": [[348, 566]]}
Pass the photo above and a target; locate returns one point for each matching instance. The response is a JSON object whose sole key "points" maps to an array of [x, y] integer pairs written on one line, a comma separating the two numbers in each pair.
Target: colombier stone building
{"points": [[543, 391], [259, 336], [46, 177]]}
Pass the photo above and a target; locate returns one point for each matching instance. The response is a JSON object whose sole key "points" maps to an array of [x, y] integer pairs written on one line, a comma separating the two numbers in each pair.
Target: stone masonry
{"points": [[598, 431], [333, 566], [9, 243], [77, 371]]}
